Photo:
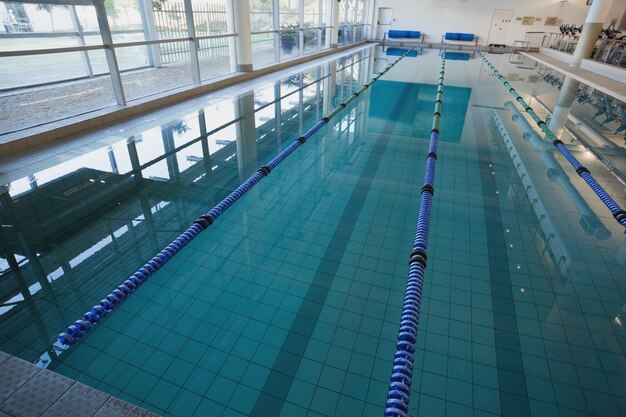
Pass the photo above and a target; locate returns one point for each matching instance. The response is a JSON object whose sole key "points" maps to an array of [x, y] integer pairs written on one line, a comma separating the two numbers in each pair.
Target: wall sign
{"points": [[551, 21]]}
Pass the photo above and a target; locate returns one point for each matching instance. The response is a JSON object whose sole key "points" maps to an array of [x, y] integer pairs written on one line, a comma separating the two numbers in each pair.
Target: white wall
{"points": [[435, 17]]}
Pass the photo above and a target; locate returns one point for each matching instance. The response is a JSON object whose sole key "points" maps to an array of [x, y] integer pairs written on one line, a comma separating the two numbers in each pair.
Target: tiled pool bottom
{"points": [[281, 307], [29, 391], [289, 304]]}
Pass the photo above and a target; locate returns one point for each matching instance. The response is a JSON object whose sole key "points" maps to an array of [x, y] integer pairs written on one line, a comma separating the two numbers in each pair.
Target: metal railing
{"points": [[175, 50], [561, 42], [608, 51], [350, 33], [611, 51], [290, 43]]}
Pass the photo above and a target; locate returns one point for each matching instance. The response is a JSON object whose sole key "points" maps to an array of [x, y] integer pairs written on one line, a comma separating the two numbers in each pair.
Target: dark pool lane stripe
{"points": [[277, 385], [511, 377]]}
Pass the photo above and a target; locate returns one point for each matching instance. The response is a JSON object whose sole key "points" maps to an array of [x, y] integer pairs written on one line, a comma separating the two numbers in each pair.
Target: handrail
{"points": [[402, 371], [263, 32], [114, 46], [124, 290], [67, 34], [26, 52], [618, 213]]}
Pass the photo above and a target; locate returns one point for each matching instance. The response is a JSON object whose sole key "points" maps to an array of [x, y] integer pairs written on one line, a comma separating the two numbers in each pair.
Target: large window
{"points": [[264, 37], [351, 26], [63, 60], [286, 29]]}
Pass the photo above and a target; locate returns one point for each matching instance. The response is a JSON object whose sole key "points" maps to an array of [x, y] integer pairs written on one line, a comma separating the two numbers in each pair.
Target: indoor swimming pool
{"points": [[289, 304]]}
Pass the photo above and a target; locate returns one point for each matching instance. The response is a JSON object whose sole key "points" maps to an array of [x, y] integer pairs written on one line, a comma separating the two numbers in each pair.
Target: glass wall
{"points": [[264, 36], [59, 61], [287, 29], [351, 26]]}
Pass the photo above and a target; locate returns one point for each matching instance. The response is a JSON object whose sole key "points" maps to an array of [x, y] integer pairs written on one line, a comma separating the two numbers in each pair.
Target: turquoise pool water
{"points": [[289, 304]]}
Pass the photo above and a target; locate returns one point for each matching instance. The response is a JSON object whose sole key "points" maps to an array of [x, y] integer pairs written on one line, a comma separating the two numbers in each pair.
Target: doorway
{"points": [[384, 21], [499, 29]]}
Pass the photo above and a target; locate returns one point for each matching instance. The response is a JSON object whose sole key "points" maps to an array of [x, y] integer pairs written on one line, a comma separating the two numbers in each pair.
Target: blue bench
{"points": [[463, 37], [405, 35]]}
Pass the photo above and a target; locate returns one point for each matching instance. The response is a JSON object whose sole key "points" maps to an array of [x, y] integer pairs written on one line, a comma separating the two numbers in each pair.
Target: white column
{"points": [[334, 39], [109, 52], [241, 9], [591, 29]]}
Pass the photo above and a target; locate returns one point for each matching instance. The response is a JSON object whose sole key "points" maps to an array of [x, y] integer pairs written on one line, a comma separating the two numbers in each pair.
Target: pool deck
{"points": [[28, 390]]}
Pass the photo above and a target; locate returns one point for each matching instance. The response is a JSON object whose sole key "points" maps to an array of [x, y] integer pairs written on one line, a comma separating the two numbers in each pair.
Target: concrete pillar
{"points": [[591, 29], [334, 38], [241, 14], [563, 106]]}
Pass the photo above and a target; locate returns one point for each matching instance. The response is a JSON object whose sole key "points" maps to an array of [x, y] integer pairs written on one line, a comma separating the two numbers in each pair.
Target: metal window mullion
{"points": [[6, 54], [107, 41], [301, 35], [193, 43], [81, 40], [146, 8], [319, 25], [354, 13], [276, 27]]}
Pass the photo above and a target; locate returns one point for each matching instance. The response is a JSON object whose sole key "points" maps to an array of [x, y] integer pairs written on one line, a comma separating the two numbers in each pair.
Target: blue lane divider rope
{"points": [[618, 213], [402, 371], [126, 288]]}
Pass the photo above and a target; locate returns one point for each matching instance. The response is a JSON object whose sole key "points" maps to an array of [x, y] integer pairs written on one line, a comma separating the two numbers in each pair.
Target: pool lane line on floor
{"points": [[618, 213], [402, 371], [81, 326], [512, 389], [273, 395]]}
